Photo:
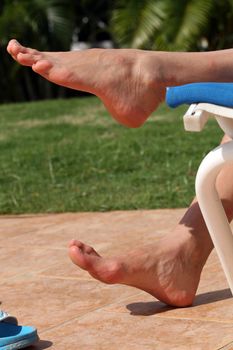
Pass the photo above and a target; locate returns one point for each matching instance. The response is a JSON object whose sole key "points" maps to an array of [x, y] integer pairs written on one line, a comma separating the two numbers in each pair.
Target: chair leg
{"points": [[211, 205]]}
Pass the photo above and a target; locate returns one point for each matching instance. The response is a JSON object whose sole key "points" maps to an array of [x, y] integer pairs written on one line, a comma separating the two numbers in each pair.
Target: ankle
{"points": [[155, 70], [192, 246]]}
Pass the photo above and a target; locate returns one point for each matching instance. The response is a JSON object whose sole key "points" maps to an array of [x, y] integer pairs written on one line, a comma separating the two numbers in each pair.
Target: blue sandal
{"points": [[13, 336]]}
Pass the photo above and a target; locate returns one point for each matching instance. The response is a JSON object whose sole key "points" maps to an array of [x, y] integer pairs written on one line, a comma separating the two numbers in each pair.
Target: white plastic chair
{"points": [[210, 204]]}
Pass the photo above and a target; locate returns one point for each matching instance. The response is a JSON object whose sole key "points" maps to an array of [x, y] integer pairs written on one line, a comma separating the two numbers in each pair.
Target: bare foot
{"points": [[131, 83], [121, 78], [169, 270]]}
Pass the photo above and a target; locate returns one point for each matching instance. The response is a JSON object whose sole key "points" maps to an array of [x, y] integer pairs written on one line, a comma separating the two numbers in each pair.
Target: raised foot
{"points": [[128, 82], [158, 269]]}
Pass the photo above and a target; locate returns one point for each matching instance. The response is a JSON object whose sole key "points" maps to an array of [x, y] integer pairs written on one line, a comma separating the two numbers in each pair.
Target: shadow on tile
{"points": [[156, 307], [42, 344], [147, 308], [212, 297]]}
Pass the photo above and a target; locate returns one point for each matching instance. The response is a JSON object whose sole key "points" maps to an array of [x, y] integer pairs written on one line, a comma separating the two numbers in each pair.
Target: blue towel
{"points": [[216, 93]]}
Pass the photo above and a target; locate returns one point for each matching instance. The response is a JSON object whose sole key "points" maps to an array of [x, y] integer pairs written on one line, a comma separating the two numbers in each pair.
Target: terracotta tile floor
{"points": [[72, 311]]}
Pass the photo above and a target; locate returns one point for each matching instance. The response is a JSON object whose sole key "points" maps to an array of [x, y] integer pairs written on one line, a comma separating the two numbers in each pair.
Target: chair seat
{"points": [[216, 93]]}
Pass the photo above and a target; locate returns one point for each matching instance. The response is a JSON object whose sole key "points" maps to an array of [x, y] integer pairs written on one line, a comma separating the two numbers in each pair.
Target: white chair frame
{"points": [[207, 196]]}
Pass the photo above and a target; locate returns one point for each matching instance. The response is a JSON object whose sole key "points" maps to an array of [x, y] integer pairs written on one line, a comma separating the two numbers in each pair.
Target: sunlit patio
{"points": [[72, 311]]}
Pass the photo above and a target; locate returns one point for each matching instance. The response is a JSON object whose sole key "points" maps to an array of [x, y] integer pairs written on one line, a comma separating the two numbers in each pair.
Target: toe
{"points": [[27, 59], [90, 250], [84, 247], [75, 242], [82, 259], [109, 271], [42, 67], [14, 48], [77, 257]]}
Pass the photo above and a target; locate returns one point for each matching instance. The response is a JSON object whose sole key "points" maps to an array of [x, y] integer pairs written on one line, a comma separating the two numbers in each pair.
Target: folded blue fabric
{"points": [[216, 93]]}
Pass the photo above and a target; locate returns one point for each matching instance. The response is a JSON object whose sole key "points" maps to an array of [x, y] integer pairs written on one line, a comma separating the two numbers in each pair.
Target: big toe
{"points": [[104, 269], [14, 48], [83, 255], [27, 59], [24, 55]]}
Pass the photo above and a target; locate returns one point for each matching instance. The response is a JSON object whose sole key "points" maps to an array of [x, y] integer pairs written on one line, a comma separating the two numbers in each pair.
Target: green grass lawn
{"points": [[69, 155]]}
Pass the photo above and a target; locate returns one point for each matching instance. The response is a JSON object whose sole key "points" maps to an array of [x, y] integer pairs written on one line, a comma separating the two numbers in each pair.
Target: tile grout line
{"points": [[164, 318], [86, 313], [36, 230], [213, 320], [98, 309], [26, 273], [228, 346]]}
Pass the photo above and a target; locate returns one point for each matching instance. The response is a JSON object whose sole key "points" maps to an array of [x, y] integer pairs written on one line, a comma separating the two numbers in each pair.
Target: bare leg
{"points": [[169, 269], [131, 83]]}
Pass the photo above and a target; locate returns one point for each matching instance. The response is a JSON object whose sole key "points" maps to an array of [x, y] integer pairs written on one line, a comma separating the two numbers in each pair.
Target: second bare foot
{"points": [[168, 270]]}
